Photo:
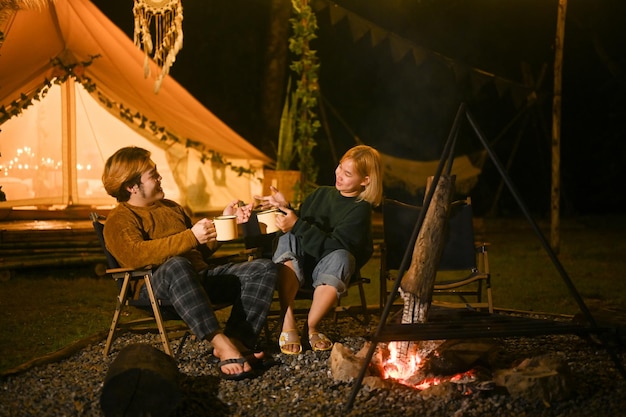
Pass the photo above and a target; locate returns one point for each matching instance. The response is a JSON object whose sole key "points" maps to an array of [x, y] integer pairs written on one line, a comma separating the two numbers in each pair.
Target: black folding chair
{"points": [[463, 270]]}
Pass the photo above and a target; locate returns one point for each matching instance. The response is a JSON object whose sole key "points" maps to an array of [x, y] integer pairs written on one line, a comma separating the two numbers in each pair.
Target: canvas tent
{"points": [[72, 91]]}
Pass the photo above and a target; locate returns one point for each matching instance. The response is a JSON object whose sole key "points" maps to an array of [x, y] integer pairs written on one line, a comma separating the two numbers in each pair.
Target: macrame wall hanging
{"points": [[159, 33]]}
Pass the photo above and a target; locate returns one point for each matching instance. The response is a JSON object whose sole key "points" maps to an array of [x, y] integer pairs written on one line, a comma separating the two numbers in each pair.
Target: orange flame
{"points": [[401, 370], [398, 369]]}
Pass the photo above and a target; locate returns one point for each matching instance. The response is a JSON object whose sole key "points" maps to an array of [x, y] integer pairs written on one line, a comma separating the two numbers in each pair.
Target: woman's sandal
{"points": [[315, 339], [289, 338]]}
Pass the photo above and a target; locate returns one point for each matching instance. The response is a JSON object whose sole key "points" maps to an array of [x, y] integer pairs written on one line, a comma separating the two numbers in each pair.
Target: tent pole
{"points": [[68, 140], [556, 127]]}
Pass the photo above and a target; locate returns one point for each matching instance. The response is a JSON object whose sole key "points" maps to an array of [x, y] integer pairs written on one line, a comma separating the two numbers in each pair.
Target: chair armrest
{"points": [[481, 246], [117, 270]]}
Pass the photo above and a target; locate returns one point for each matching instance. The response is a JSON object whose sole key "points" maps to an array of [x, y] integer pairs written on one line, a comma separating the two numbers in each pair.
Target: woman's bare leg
{"points": [[288, 286], [324, 299]]}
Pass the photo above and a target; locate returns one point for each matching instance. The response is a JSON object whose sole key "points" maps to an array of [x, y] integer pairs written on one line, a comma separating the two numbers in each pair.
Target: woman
{"points": [[325, 242]]}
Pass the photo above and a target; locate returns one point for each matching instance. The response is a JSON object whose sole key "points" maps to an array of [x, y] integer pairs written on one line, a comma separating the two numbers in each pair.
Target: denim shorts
{"points": [[334, 269]]}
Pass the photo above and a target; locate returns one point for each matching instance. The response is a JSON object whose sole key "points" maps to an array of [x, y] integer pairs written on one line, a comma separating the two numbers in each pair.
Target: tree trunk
{"points": [[274, 79]]}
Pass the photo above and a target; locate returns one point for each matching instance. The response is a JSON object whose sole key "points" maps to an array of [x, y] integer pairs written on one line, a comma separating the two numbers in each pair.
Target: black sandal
{"points": [[238, 376]]}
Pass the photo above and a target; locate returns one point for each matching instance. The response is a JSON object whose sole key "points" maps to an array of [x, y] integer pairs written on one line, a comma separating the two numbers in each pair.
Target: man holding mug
{"points": [[147, 229]]}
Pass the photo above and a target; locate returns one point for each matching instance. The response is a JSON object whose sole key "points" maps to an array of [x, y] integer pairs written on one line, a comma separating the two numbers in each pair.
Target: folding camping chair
{"points": [[463, 271], [130, 282]]}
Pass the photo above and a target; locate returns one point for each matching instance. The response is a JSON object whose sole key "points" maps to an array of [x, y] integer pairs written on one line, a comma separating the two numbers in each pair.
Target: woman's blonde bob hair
{"points": [[367, 164], [123, 169]]}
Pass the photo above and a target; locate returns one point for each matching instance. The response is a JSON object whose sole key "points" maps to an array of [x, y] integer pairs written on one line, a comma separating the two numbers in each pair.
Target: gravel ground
{"points": [[302, 385]]}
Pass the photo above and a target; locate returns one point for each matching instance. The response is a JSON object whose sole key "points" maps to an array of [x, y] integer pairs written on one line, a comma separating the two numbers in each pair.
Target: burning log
{"points": [[463, 367], [418, 282], [475, 367]]}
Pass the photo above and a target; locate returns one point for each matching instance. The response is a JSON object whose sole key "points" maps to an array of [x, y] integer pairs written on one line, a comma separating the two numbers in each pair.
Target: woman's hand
{"points": [[276, 199], [241, 211], [285, 222]]}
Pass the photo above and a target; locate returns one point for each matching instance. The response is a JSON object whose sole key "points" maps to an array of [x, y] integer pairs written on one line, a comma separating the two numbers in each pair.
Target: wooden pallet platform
{"points": [[467, 324], [41, 243]]}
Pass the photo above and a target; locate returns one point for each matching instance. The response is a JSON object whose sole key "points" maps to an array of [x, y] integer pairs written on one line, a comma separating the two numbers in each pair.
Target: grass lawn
{"points": [[42, 310], [591, 253]]}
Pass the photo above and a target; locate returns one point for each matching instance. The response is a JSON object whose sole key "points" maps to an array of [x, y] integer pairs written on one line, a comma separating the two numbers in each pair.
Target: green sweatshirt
{"points": [[329, 221]]}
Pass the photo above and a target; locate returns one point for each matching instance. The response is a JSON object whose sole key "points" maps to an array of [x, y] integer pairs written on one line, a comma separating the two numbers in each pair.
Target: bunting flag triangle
{"points": [[378, 35], [358, 27], [399, 47], [337, 14], [419, 55]]}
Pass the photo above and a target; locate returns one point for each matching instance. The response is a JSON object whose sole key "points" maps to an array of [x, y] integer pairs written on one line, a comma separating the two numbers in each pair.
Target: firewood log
{"points": [[419, 279], [141, 381]]}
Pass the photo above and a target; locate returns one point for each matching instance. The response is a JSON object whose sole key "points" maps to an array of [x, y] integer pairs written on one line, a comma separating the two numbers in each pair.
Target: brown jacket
{"points": [[140, 236]]}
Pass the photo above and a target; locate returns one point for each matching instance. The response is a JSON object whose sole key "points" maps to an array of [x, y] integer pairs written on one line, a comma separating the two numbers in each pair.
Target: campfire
{"points": [[408, 370], [462, 367], [425, 366]]}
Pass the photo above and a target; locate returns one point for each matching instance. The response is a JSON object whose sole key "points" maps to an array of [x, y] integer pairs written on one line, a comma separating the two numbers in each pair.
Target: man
{"points": [[147, 229]]}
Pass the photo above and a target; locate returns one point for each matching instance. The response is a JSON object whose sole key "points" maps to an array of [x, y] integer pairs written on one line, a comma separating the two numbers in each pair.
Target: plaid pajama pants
{"points": [[248, 286]]}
